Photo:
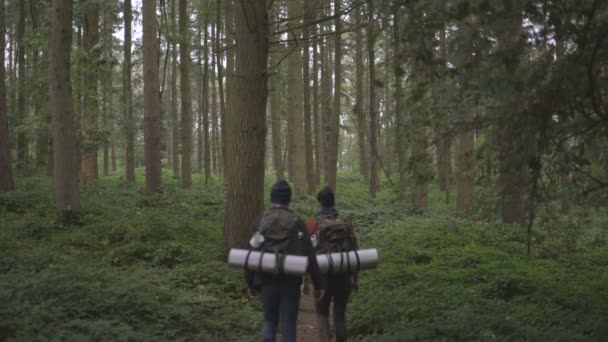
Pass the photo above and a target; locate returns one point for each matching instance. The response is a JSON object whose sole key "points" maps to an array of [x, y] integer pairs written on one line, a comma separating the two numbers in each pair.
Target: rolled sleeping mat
{"points": [[347, 262], [267, 262]]}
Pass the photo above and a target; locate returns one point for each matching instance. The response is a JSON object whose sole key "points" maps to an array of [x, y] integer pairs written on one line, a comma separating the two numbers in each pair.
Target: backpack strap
{"points": [[358, 260], [260, 261], [247, 258]]}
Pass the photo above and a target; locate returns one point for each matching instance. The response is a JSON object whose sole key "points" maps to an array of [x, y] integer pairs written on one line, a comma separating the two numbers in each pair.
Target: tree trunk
{"points": [[220, 85], [373, 106], [466, 166], [214, 119], [107, 90], [6, 169], [245, 124], [325, 115], [42, 132], [316, 114], [295, 98], [359, 108], [127, 99], [184, 66], [308, 148], [174, 94], [67, 197], [151, 100], [89, 118], [332, 143], [512, 149], [22, 139], [275, 114], [206, 147], [400, 140]]}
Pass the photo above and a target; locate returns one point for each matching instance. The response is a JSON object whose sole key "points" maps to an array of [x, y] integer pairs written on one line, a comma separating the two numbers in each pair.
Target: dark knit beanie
{"points": [[280, 192]]}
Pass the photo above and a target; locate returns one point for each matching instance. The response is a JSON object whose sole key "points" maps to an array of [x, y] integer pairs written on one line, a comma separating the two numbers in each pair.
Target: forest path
{"points": [[307, 320]]}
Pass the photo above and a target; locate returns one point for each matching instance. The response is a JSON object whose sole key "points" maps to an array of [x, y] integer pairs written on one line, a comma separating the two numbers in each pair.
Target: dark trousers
{"points": [[280, 301], [337, 290]]}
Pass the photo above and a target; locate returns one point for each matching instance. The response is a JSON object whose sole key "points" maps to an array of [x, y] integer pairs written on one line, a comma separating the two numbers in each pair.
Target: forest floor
{"points": [[307, 320], [151, 268]]}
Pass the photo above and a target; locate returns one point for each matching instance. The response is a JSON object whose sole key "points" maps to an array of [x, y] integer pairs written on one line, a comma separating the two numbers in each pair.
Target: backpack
{"points": [[281, 235], [335, 235]]}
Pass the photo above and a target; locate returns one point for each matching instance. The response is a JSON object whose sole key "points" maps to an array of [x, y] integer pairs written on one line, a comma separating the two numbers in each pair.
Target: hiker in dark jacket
{"points": [[280, 293], [337, 287]]}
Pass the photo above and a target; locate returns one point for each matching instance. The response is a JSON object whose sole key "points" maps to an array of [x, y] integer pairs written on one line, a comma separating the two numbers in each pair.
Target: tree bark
{"points": [[373, 107], [215, 158], [205, 90], [512, 144], [220, 86], [245, 123], [308, 148], [359, 108], [22, 139], [316, 114], [151, 99], [174, 94], [184, 66], [295, 99], [107, 90], [127, 98], [90, 127], [332, 143], [67, 197], [6, 169], [400, 140], [275, 114]]}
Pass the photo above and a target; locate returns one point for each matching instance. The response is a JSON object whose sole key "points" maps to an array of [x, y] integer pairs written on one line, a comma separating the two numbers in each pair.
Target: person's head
{"points": [[326, 197], [280, 193]]}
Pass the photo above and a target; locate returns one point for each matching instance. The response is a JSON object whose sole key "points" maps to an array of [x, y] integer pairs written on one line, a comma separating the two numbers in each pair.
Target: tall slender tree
{"points": [[127, 98], [67, 196], [22, 139], [308, 147], [358, 109], [184, 66], [151, 99], [373, 114], [275, 114], [174, 94], [334, 123], [399, 103], [6, 169], [246, 123]]}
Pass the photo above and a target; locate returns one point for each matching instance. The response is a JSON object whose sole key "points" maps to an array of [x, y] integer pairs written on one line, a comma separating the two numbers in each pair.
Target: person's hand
{"points": [[319, 294], [252, 293], [306, 290]]}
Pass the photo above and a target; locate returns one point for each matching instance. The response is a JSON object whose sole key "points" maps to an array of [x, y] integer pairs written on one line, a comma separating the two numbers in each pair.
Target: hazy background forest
{"points": [[467, 141]]}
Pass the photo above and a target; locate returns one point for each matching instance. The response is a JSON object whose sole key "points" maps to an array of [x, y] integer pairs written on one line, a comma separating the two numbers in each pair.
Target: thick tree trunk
{"points": [[127, 98], [275, 121], [91, 111], [175, 162], [512, 145], [246, 124], [67, 197], [333, 142], [151, 100], [6, 169], [184, 66], [107, 90], [373, 107], [22, 139], [42, 133], [308, 148]]}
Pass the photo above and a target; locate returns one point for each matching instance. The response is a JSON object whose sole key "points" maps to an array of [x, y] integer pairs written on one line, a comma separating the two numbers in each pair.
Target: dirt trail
{"points": [[307, 320]]}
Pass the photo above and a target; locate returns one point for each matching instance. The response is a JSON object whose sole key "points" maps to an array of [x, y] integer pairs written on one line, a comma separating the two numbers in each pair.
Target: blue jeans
{"points": [[280, 300]]}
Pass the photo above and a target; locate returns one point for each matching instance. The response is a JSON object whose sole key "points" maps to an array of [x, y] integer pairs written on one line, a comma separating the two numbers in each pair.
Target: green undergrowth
{"points": [[136, 268], [150, 268]]}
